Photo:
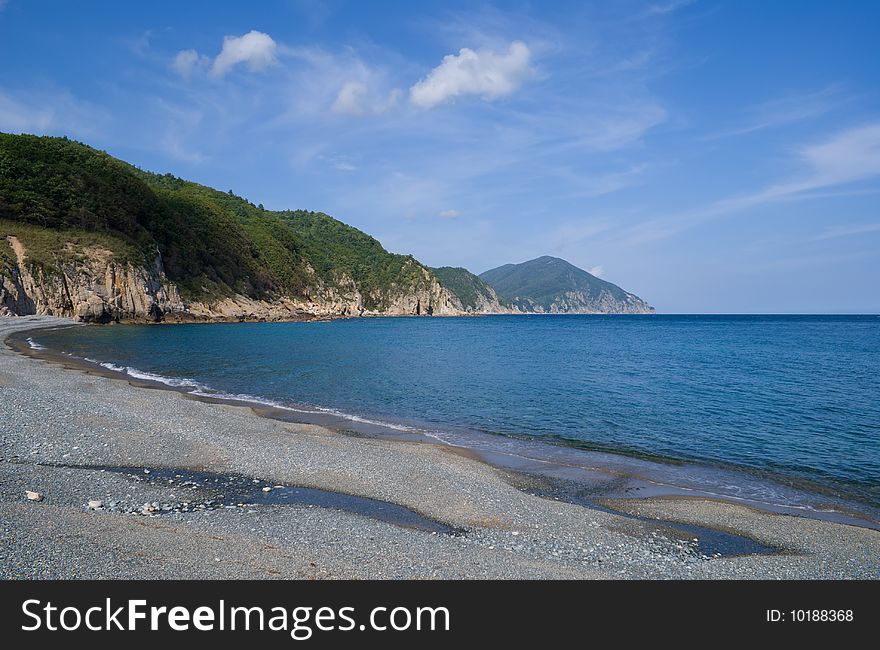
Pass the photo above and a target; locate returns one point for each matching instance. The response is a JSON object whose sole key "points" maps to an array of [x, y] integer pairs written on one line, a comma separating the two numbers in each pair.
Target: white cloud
{"points": [[355, 98], [449, 214], [597, 270], [254, 48], [487, 74], [350, 99], [188, 61]]}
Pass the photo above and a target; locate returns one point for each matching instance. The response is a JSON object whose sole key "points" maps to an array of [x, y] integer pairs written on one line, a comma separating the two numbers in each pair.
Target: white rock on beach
{"points": [[95, 504], [34, 496]]}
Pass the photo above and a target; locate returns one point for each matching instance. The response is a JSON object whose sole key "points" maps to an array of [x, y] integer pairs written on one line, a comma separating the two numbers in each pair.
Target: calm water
{"points": [[792, 396]]}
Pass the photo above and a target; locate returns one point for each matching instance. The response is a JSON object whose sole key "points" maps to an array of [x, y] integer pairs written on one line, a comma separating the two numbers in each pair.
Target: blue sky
{"points": [[710, 156]]}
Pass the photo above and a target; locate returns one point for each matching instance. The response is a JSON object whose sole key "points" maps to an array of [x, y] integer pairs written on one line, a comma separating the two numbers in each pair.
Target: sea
{"points": [[778, 411]]}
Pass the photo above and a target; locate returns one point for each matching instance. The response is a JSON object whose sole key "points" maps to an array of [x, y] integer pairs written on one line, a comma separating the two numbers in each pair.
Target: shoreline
{"points": [[610, 474], [509, 532]]}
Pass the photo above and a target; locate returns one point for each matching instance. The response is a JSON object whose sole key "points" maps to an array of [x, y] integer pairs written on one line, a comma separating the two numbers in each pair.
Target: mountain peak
{"points": [[549, 284]]}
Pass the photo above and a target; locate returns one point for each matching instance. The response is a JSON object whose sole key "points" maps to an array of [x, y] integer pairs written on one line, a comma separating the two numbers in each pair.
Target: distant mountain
{"points": [[552, 285], [474, 295]]}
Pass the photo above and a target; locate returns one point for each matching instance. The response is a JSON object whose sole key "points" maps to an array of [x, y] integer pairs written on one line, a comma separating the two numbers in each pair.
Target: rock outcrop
{"points": [[95, 287], [581, 302]]}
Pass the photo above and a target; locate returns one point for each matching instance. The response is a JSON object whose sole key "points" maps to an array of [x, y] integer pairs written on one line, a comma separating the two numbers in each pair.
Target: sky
{"points": [[710, 156]]}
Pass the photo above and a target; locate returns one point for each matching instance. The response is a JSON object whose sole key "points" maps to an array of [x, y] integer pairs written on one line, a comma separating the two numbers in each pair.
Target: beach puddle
{"points": [[200, 491], [709, 542]]}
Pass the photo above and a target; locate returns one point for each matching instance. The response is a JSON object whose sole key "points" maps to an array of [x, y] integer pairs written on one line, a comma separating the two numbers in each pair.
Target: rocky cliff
{"points": [[95, 288], [91, 285], [472, 295], [581, 302]]}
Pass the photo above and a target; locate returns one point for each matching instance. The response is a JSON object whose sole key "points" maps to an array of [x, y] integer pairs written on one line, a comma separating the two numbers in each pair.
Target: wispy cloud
{"points": [[449, 214], [18, 116], [786, 110], [357, 98], [589, 184], [175, 136], [486, 74], [319, 82], [660, 9], [187, 62], [844, 158], [846, 231], [51, 112]]}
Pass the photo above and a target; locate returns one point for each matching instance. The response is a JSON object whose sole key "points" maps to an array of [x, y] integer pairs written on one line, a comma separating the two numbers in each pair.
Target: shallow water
{"points": [[793, 398], [231, 490]]}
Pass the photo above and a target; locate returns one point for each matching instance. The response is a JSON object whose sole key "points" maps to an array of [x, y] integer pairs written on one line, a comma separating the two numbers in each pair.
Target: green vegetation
{"points": [[55, 192], [47, 247], [7, 257], [543, 280], [464, 284], [331, 247]]}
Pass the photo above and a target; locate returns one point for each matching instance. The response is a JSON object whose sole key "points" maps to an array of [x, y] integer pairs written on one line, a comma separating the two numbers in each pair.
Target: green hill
{"points": [[472, 292], [552, 285], [60, 197]]}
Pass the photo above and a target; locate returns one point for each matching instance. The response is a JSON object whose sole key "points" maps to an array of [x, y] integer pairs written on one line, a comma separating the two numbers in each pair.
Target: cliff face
{"points": [[95, 287], [471, 295], [579, 302], [490, 303], [425, 298]]}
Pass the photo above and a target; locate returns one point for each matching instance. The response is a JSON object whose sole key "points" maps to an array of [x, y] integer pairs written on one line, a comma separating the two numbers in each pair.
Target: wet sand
{"points": [[76, 437]]}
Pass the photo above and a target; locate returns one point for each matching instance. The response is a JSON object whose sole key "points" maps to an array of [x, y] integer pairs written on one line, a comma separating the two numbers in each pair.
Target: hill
{"points": [[552, 285], [93, 237], [473, 294]]}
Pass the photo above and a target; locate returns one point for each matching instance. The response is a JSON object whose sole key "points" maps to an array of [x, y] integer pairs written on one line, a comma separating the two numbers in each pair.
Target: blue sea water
{"points": [[797, 397]]}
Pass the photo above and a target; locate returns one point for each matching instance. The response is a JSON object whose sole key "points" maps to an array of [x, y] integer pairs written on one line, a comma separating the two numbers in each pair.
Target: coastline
{"points": [[58, 421], [567, 471]]}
